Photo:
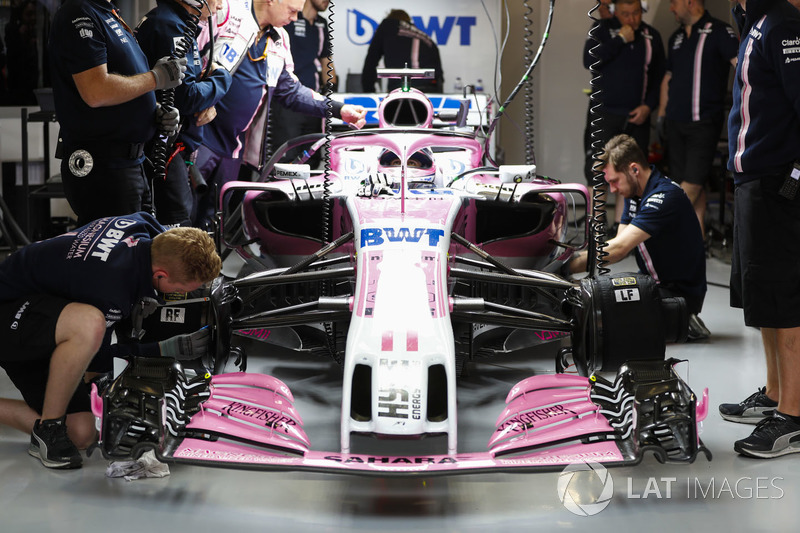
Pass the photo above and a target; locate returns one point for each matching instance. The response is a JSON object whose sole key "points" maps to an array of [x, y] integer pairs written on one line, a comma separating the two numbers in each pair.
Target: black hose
{"points": [[597, 263], [166, 98]]}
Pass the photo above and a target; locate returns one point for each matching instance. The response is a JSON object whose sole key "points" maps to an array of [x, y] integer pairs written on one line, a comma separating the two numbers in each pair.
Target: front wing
{"points": [[244, 420]]}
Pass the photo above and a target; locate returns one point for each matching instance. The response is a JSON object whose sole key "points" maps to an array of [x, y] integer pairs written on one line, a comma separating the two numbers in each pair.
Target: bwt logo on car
{"points": [[378, 236], [361, 27]]}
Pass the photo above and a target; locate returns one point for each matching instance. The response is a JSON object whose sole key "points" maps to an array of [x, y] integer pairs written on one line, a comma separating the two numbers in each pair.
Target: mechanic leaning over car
{"points": [[659, 222], [103, 91], [59, 299], [764, 147], [265, 71], [194, 98]]}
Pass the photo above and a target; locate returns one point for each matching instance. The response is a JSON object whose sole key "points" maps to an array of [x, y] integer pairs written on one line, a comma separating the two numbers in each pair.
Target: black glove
{"points": [[169, 72], [188, 346], [168, 119], [143, 309]]}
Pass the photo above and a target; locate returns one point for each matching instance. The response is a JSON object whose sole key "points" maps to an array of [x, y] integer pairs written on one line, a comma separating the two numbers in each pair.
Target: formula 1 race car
{"points": [[404, 259]]}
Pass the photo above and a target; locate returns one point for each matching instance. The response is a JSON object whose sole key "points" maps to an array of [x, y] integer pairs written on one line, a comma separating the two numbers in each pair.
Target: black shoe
{"points": [[751, 410], [774, 436], [50, 443], [697, 329]]}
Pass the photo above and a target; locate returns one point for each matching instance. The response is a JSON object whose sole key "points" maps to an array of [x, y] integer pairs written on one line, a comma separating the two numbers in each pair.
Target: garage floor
{"points": [[729, 493]]}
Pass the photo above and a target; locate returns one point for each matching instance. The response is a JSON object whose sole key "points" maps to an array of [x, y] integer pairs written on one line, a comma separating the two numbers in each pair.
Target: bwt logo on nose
{"points": [[361, 28], [377, 236]]}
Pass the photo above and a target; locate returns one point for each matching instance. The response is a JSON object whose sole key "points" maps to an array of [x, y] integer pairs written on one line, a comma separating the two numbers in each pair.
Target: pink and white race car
{"points": [[403, 259]]}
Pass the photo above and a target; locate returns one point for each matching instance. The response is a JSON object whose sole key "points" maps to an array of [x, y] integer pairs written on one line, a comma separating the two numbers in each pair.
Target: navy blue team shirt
{"points": [[674, 255], [106, 264], [310, 41], [700, 65], [631, 72], [86, 34], [763, 126], [157, 34]]}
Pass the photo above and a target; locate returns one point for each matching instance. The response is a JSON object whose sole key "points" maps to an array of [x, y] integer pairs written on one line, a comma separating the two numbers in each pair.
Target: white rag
{"points": [[146, 466]]}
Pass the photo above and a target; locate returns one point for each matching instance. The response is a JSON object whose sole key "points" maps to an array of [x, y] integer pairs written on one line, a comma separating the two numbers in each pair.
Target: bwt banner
{"points": [[461, 28]]}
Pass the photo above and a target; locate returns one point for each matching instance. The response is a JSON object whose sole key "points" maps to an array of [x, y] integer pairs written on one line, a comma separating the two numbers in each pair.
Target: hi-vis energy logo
{"points": [[361, 27], [585, 489]]}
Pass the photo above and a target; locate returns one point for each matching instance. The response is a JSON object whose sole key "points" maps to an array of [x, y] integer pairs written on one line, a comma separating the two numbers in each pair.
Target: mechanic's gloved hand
{"points": [[169, 72], [168, 119], [188, 346], [141, 310], [147, 306]]}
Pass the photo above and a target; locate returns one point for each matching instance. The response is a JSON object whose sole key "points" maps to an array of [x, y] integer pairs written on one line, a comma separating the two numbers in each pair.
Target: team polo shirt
{"points": [[239, 105], [106, 263], [674, 254], [158, 33], [309, 43], [631, 73], [764, 123], [700, 65], [86, 34]]}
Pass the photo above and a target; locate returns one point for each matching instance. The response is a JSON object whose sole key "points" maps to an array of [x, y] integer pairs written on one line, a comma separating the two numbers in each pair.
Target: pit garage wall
{"points": [[463, 30], [559, 102]]}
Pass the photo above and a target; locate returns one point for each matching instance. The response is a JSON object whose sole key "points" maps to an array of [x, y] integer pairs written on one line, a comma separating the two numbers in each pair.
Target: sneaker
{"points": [[751, 410], [51, 445], [697, 329], [774, 436]]}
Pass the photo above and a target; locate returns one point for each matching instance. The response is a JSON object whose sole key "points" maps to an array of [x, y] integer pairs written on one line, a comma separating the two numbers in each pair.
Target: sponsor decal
{"points": [[371, 459], [378, 236], [623, 282], [18, 315], [88, 244], [270, 419], [529, 419], [361, 27]]}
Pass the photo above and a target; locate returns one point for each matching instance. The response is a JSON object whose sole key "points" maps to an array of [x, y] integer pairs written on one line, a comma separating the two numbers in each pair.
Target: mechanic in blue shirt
{"points": [[103, 91], [195, 98], [659, 223], [238, 134], [630, 57], [699, 55], [764, 146], [57, 299], [311, 52]]}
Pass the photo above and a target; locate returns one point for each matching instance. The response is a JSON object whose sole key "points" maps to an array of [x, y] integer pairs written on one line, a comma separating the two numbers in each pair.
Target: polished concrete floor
{"points": [[729, 493]]}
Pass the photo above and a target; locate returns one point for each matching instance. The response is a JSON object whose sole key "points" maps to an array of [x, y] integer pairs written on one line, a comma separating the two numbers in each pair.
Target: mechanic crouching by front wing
{"points": [[103, 91], [59, 299]]}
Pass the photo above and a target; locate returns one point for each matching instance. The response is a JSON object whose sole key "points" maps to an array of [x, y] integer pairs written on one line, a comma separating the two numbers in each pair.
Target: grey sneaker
{"points": [[751, 410], [774, 436], [51, 445], [697, 329]]}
